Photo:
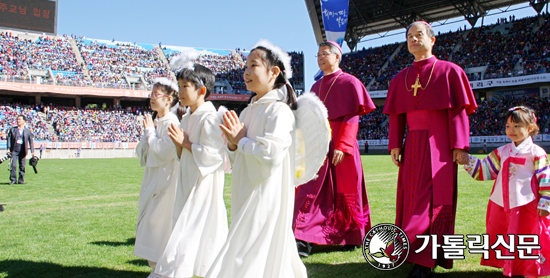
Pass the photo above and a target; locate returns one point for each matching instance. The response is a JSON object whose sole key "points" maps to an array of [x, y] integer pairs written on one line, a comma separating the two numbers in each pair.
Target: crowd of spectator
{"points": [[488, 118], [442, 49], [122, 125], [508, 48], [497, 48], [74, 125], [108, 64], [94, 125], [401, 60], [231, 67], [373, 125], [18, 55], [297, 63], [225, 67], [537, 57], [8, 119], [366, 63]]}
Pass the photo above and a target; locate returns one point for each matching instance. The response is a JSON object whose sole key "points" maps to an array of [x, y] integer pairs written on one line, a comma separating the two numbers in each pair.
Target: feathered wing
{"points": [[226, 165], [312, 137], [184, 60], [221, 111]]}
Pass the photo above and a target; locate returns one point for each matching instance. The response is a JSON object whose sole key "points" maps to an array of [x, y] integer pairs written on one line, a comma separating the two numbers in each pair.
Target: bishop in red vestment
{"points": [[334, 209], [432, 98]]}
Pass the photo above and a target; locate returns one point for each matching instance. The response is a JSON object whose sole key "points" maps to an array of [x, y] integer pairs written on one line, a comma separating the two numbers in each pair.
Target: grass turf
{"points": [[76, 218]]}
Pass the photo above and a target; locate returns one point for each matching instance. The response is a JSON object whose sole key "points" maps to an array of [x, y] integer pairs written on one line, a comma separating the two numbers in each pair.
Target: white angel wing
{"points": [[221, 111], [184, 60], [312, 137], [226, 165]]}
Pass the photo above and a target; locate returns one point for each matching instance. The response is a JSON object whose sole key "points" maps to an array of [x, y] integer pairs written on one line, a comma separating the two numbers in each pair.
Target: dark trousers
{"points": [[17, 157]]}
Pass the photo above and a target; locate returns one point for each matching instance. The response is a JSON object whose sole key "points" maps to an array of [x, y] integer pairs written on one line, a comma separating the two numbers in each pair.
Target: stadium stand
{"points": [[112, 64], [373, 125], [18, 56], [509, 48], [8, 119], [366, 64], [94, 125], [488, 119], [67, 124]]}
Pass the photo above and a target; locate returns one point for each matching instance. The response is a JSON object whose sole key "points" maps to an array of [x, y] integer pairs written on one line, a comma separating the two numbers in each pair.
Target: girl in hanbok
{"points": [[521, 171], [157, 154], [260, 147]]}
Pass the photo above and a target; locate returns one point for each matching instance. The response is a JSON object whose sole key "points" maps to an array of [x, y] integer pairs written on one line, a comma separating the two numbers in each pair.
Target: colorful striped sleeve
{"points": [[484, 169], [542, 172]]}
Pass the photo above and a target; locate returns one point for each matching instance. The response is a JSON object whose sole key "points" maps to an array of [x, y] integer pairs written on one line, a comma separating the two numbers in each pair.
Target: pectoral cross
{"points": [[416, 84]]}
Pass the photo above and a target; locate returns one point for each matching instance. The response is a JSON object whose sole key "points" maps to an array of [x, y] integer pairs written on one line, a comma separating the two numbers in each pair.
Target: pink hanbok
{"points": [[522, 176]]}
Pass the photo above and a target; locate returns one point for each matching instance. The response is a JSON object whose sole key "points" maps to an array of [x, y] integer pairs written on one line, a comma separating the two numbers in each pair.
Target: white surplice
{"points": [[260, 241], [157, 154], [201, 227]]}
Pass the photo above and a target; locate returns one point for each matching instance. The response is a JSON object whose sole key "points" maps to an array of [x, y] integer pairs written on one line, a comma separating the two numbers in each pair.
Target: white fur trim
{"points": [[167, 82], [185, 60], [280, 54]]}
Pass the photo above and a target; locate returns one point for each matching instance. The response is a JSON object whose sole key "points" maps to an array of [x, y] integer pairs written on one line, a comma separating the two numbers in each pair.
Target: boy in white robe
{"points": [[157, 154], [201, 226]]}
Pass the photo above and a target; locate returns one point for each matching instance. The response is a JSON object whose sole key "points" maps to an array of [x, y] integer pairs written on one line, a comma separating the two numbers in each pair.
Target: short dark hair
{"points": [[200, 76], [22, 116]]}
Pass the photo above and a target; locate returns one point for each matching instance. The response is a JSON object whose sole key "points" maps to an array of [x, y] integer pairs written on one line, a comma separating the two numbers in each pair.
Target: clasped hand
{"points": [[233, 129], [148, 121], [179, 137]]}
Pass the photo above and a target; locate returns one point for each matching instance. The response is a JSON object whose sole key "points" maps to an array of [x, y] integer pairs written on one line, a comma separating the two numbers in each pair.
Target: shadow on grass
{"points": [[139, 262], [23, 269], [325, 248], [128, 242], [353, 270]]}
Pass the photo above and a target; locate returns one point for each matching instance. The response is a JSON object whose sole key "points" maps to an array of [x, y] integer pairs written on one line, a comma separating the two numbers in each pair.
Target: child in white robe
{"points": [[201, 226], [261, 150], [157, 154]]}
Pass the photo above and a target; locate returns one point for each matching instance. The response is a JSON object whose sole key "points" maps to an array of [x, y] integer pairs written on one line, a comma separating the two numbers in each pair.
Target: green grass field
{"points": [[76, 218]]}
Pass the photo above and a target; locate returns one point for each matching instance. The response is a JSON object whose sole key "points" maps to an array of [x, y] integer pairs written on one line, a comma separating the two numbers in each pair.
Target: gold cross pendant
{"points": [[416, 84]]}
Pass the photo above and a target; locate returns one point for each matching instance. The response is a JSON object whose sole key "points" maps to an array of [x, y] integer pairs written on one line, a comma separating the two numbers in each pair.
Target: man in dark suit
{"points": [[18, 139]]}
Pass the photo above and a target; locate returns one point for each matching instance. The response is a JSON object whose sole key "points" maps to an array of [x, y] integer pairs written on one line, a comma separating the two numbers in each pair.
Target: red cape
{"points": [[347, 96], [449, 87]]}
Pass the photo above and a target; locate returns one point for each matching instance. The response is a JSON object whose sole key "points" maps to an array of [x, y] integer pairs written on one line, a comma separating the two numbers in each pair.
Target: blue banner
{"points": [[335, 19]]}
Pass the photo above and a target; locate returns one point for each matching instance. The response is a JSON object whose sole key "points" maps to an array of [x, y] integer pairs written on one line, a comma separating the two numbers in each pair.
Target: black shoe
{"points": [[304, 248], [420, 271], [348, 248], [21, 182]]}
